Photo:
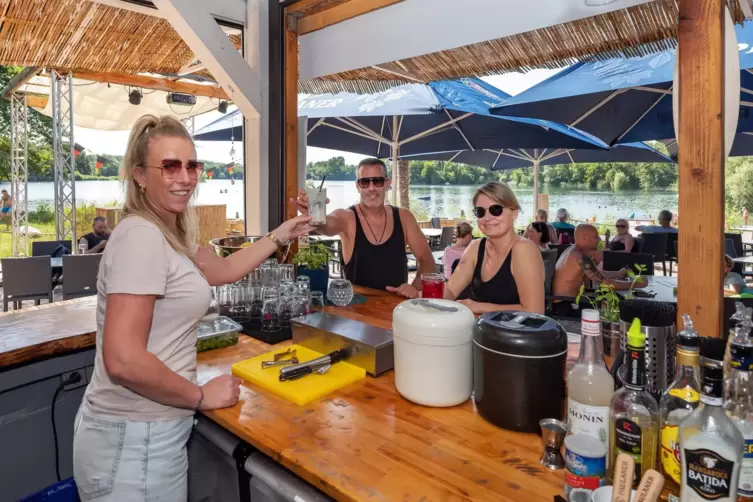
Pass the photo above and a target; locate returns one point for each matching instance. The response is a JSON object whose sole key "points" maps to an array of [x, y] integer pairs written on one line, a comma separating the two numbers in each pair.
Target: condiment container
{"points": [[585, 467], [433, 356], [604, 494], [217, 334], [519, 369]]}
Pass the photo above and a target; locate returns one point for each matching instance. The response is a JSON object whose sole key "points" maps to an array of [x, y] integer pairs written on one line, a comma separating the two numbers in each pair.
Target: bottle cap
{"points": [[590, 315], [688, 337], [635, 337]]}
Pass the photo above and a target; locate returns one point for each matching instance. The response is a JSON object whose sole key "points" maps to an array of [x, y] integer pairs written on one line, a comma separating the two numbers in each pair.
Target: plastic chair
{"points": [[435, 222], [615, 260], [46, 248], [445, 239], [26, 279], [550, 264], [656, 245], [671, 250], [560, 248], [80, 275]]}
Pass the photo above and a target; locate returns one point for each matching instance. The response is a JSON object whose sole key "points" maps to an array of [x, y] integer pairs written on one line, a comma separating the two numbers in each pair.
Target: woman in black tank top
{"points": [[501, 271]]}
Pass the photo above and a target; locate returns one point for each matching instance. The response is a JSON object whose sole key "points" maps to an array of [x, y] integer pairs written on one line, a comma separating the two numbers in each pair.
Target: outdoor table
{"points": [[747, 260], [432, 232], [662, 286]]}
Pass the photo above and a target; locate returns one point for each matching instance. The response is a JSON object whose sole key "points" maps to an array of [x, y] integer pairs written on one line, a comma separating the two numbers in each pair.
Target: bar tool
{"points": [[281, 362], [284, 355], [553, 433]]}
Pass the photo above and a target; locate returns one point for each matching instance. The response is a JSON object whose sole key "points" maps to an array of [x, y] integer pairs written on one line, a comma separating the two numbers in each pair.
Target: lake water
{"points": [[445, 201]]}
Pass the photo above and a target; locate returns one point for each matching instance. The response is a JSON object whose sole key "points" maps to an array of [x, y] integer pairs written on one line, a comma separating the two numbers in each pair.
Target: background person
{"points": [[452, 254], [96, 240], [131, 430], [538, 233], [664, 226], [6, 203], [623, 241], [580, 262], [501, 271], [543, 217], [561, 223], [374, 235]]}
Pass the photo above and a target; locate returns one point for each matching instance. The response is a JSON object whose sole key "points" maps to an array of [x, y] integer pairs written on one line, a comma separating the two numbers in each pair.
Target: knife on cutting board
{"points": [[303, 369]]}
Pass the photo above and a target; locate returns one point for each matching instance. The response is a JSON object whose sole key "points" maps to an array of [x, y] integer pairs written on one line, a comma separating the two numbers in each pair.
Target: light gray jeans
{"points": [[119, 460]]}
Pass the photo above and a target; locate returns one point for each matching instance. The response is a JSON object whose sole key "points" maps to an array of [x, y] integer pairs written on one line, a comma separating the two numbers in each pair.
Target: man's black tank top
{"points": [[500, 289], [378, 266]]}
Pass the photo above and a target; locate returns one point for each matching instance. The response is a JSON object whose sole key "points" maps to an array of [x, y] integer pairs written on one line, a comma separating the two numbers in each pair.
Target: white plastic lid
{"points": [[433, 322], [590, 322]]}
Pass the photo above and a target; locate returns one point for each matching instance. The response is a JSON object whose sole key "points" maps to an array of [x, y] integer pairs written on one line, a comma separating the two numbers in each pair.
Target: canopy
{"points": [[513, 158], [622, 100], [415, 118]]}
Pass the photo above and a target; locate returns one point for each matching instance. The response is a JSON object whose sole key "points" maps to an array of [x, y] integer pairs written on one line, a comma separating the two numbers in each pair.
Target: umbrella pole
{"points": [[395, 174], [536, 169]]}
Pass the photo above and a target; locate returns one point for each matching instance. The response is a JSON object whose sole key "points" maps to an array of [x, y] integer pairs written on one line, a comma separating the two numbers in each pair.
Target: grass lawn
{"points": [[48, 234]]}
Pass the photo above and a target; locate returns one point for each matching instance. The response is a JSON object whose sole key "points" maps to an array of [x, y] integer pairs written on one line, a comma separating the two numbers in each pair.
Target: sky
{"points": [[114, 142]]}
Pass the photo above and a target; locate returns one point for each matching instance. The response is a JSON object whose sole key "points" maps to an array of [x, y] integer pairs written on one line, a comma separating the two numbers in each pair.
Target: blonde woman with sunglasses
{"points": [[501, 271], [153, 287]]}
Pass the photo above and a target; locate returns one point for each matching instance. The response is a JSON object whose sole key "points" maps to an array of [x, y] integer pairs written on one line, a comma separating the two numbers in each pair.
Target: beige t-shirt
{"points": [[138, 260]]}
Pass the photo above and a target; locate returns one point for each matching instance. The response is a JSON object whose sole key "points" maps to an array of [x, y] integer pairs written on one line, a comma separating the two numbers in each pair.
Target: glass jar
{"points": [[340, 292]]}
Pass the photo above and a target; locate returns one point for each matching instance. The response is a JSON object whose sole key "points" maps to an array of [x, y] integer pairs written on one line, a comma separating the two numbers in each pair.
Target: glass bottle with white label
{"points": [[589, 384], [710, 444], [738, 401], [677, 402]]}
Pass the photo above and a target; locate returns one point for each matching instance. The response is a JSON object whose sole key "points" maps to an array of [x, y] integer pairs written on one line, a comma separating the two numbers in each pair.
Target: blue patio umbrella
{"points": [[513, 158], [742, 146], [415, 118], [622, 100]]}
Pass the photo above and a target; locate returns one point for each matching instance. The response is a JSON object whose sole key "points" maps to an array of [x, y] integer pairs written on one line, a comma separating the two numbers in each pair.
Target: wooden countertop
{"points": [[48, 330], [365, 442]]}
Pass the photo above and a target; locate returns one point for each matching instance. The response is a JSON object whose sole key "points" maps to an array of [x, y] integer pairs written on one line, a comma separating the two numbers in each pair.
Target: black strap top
{"points": [[500, 289], [617, 246], [381, 265]]}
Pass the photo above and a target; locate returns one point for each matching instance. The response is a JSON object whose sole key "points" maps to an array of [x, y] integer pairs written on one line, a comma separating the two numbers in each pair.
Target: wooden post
{"points": [[290, 155], [701, 155]]}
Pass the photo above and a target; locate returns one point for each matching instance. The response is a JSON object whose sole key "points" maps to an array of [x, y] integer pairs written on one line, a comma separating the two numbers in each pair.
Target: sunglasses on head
{"points": [[172, 167], [377, 180], [494, 210]]}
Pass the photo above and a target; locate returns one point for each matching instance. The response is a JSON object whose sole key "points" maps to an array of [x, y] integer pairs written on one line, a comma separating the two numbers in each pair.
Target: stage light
{"points": [[223, 107], [134, 97]]}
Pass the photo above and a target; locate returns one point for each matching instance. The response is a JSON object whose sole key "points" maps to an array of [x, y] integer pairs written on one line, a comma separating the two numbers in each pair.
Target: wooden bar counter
{"points": [[361, 443], [365, 442]]}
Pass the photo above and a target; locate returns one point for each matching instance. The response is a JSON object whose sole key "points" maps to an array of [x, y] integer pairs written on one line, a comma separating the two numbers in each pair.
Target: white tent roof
{"points": [[106, 108]]}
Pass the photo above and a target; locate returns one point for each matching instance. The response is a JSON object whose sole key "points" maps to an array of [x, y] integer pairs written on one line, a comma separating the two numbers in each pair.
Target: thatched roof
{"points": [[638, 30], [88, 36]]}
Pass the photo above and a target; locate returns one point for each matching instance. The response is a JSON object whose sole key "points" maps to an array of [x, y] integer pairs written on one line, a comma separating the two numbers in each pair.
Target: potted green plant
{"points": [[607, 302], [313, 262]]}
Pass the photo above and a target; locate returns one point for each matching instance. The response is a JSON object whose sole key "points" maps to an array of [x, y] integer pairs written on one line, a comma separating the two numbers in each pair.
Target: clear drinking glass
{"points": [[241, 303], [256, 297], [213, 312], [287, 273], [224, 298], [300, 306], [255, 276], [316, 301], [270, 275], [302, 288], [340, 292], [270, 320]]}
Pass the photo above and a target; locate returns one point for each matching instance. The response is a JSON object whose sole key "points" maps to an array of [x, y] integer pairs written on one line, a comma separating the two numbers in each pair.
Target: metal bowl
{"points": [[225, 246]]}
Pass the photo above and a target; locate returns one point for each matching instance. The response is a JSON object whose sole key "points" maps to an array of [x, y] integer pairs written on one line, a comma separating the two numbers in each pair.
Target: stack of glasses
{"points": [[268, 298]]}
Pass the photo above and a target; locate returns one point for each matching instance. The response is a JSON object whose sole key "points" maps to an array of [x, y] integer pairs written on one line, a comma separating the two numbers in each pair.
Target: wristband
{"points": [[201, 398], [272, 237]]}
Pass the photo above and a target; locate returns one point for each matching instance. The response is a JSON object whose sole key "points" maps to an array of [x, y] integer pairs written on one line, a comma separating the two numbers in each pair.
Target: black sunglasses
{"points": [[620, 226], [494, 210], [171, 167], [377, 180]]}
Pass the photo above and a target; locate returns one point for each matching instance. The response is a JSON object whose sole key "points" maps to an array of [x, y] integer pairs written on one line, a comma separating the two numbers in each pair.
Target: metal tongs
{"points": [[281, 359]]}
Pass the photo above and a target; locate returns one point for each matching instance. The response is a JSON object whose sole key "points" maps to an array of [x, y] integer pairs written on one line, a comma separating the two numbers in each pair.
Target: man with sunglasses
{"points": [[374, 235]]}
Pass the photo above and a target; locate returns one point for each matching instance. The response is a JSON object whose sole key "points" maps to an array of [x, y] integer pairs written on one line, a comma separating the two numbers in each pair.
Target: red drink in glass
{"points": [[433, 286]]}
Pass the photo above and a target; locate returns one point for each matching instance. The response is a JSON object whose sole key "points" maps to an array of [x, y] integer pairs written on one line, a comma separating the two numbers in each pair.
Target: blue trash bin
{"points": [[64, 491]]}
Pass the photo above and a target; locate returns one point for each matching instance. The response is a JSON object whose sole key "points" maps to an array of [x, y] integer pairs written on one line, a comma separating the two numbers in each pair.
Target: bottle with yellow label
{"points": [[678, 401]]}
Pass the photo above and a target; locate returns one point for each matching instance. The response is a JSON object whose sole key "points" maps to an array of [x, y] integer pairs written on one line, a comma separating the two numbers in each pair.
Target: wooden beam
{"points": [[701, 155], [20, 79], [159, 84], [37, 101], [290, 155], [306, 7], [340, 13]]}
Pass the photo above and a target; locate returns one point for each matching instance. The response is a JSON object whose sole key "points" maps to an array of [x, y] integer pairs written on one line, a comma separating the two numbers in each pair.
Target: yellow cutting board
{"points": [[303, 390]]}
